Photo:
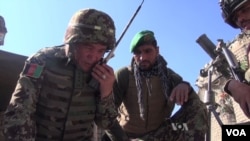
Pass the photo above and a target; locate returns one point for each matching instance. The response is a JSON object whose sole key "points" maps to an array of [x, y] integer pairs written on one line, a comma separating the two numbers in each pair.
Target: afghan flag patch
{"points": [[33, 70]]}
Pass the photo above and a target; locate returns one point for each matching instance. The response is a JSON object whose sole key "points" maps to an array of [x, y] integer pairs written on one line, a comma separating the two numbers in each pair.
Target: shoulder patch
{"points": [[33, 70]]}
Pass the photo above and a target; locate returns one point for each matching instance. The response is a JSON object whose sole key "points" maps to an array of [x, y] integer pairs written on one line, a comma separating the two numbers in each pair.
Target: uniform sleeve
{"points": [[19, 117], [115, 132], [19, 122], [175, 78], [106, 112]]}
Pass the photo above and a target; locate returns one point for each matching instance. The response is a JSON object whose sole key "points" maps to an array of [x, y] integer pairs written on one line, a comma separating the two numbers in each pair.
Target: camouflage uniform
{"points": [[240, 48], [158, 124], [53, 99], [240, 45]]}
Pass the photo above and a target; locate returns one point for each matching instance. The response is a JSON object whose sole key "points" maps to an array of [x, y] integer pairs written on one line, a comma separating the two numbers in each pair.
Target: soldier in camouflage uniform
{"points": [[53, 99], [146, 93], [237, 14]]}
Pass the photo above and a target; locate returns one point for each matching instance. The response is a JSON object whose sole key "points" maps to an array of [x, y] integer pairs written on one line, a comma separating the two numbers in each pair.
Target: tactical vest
{"points": [[239, 48], [66, 105], [156, 107]]}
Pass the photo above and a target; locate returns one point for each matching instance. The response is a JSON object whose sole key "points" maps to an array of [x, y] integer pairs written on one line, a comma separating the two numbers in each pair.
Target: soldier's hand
{"points": [[105, 76], [180, 93], [241, 94]]}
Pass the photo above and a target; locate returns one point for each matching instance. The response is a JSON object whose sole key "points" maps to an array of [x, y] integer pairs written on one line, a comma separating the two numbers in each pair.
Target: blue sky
{"points": [[34, 24]]}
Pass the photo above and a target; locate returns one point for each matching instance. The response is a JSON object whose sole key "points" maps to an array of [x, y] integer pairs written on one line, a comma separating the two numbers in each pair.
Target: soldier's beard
{"points": [[145, 66]]}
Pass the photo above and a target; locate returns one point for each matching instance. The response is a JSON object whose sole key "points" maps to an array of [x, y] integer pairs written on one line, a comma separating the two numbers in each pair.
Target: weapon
{"points": [[225, 62], [209, 100], [222, 58], [218, 60], [231, 60], [110, 55], [207, 45]]}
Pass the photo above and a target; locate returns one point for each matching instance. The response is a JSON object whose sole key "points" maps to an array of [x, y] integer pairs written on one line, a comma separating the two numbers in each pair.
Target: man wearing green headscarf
{"points": [[146, 92]]}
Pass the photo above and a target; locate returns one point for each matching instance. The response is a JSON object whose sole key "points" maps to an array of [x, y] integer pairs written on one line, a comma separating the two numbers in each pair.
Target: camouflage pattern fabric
{"points": [[91, 26], [247, 76], [239, 47], [53, 100]]}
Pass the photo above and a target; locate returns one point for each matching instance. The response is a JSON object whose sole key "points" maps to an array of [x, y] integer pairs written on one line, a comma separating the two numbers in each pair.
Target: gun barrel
{"points": [[207, 45]]}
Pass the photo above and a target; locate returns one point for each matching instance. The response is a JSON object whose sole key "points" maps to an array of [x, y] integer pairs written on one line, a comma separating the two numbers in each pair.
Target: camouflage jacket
{"points": [[239, 47], [53, 101]]}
